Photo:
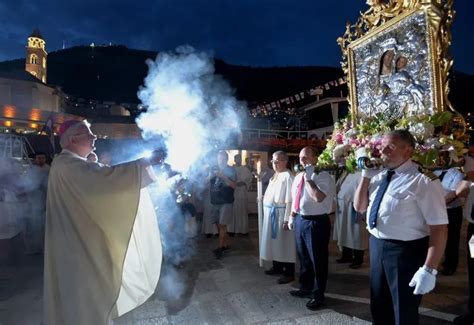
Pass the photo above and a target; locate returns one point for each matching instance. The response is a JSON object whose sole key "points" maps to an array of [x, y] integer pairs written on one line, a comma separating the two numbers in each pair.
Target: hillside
{"points": [[115, 73]]}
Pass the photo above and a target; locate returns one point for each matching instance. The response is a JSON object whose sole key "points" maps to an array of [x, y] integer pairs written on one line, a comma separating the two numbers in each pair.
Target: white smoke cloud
{"points": [[188, 105], [192, 112], [172, 284]]}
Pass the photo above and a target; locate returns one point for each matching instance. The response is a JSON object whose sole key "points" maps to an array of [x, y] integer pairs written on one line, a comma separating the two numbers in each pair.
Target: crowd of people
{"points": [[407, 217], [22, 208], [103, 240]]}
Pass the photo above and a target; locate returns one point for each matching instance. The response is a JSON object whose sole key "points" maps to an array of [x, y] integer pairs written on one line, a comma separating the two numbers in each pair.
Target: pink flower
{"points": [[339, 138], [354, 143]]}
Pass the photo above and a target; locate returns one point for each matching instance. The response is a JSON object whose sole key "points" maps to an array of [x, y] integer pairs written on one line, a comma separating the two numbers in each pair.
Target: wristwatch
{"points": [[430, 270]]}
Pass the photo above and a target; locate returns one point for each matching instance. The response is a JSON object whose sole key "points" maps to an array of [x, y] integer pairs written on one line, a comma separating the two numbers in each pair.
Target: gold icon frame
{"points": [[382, 21]]}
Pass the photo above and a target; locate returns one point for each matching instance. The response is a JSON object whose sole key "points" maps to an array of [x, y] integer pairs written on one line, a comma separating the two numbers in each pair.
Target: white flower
{"points": [[422, 130], [433, 143], [352, 133], [340, 151], [453, 155]]}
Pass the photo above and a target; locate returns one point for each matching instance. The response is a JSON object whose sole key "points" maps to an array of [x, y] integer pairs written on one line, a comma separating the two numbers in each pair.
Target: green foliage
{"points": [[441, 118], [434, 148], [429, 158]]}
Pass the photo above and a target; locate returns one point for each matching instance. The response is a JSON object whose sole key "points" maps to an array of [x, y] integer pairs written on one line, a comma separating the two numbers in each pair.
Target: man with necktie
{"points": [[313, 195], [407, 221]]}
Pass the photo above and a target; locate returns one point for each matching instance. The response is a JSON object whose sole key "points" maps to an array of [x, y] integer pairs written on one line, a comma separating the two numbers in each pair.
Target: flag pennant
{"points": [[316, 91]]}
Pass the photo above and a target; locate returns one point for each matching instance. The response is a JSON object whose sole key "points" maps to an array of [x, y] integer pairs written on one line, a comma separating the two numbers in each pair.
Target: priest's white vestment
{"points": [[102, 247], [349, 231], [241, 216]]}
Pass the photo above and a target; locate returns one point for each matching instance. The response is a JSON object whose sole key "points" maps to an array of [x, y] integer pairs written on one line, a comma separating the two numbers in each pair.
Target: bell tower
{"points": [[36, 56]]}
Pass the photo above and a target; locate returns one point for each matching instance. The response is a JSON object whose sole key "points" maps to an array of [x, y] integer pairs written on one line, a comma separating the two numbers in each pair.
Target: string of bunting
{"points": [[266, 109]]}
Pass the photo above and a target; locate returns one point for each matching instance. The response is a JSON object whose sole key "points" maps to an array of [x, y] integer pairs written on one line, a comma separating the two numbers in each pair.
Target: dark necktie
{"points": [[378, 199]]}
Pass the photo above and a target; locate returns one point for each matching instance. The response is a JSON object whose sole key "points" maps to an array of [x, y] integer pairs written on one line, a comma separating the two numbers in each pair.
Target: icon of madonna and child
{"points": [[393, 76]]}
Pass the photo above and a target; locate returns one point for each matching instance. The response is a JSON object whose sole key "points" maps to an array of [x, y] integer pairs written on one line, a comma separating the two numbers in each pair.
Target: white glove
{"points": [[291, 223], [423, 281], [309, 171]]}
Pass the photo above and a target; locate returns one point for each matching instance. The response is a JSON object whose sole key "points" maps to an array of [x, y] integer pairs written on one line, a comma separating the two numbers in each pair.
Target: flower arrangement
{"points": [[440, 140]]}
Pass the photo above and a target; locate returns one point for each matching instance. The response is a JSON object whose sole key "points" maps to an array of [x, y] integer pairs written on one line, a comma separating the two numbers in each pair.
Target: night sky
{"points": [[244, 32]]}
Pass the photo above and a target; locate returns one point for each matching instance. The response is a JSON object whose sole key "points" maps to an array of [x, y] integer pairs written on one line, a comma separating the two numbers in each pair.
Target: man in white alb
{"points": [[278, 241]]}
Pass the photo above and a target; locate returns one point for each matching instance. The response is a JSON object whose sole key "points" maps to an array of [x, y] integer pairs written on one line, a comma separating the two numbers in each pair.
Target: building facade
{"points": [[36, 56]]}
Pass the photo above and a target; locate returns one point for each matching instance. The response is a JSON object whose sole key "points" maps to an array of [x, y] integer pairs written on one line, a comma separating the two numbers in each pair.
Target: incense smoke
{"points": [[190, 107], [191, 112]]}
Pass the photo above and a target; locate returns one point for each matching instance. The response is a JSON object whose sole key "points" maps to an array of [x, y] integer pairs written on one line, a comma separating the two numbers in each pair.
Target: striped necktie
{"points": [[378, 199]]}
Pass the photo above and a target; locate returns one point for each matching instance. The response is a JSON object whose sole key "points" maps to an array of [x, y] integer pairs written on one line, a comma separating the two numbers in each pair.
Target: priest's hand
{"points": [[157, 157], [285, 225]]}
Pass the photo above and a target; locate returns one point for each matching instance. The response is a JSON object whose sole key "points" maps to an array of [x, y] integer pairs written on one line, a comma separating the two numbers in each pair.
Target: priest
{"points": [[102, 247]]}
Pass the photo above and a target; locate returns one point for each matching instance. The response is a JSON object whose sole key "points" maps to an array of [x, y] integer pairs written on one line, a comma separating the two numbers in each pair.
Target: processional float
{"points": [[396, 59], [397, 64]]}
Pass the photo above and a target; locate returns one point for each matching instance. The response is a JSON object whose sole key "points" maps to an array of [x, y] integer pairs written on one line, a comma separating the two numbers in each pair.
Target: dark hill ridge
{"points": [[115, 73]]}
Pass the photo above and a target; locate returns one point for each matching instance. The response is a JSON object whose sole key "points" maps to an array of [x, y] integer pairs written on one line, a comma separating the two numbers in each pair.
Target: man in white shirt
{"points": [[407, 221], [313, 196], [469, 161], [451, 180], [468, 318]]}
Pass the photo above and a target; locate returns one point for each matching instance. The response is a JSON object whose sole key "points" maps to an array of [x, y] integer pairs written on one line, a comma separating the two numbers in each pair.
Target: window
{"points": [[33, 59], [44, 63]]}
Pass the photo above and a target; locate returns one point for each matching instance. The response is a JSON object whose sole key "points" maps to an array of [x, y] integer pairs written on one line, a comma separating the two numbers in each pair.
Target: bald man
{"points": [[313, 195]]}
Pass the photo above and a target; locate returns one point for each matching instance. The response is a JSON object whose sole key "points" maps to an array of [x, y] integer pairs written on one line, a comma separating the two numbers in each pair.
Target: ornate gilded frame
{"points": [[374, 32]]}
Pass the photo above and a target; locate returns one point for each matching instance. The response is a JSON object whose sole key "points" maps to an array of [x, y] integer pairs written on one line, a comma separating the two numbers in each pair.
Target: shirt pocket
{"points": [[400, 203]]}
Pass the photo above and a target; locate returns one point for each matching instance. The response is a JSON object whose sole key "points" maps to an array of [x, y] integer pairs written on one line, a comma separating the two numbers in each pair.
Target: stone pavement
{"points": [[234, 290]]}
